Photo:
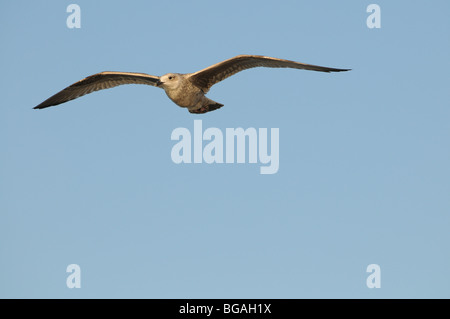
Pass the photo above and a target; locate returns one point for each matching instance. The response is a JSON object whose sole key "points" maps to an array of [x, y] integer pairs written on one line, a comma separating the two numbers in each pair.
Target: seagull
{"points": [[185, 90]]}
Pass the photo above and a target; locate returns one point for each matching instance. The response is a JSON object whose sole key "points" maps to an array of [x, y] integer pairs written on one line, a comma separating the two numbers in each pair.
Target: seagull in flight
{"points": [[185, 90]]}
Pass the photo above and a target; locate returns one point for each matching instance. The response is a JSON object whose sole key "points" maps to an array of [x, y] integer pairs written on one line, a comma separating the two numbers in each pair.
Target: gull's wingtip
{"points": [[340, 70], [337, 70], [40, 106], [46, 104], [43, 105]]}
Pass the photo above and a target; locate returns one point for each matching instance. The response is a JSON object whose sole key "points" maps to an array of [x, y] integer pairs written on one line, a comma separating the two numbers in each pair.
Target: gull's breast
{"points": [[185, 95]]}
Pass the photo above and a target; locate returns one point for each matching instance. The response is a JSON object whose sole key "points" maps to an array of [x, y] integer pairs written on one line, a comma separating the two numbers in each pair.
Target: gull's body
{"points": [[185, 90]]}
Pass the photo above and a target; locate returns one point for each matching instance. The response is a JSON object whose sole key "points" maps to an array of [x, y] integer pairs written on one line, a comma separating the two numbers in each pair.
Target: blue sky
{"points": [[364, 155]]}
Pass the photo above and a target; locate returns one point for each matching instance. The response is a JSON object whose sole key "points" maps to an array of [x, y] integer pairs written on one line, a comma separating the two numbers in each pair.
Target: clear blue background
{"points": [[364, 155]]}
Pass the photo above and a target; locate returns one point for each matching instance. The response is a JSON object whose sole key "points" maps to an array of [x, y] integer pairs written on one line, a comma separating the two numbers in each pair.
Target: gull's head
{"points": [[169, 81]]}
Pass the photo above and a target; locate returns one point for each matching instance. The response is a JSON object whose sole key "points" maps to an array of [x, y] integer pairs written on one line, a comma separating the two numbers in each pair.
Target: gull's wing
{"points": [[99, 81], [215, 73]]}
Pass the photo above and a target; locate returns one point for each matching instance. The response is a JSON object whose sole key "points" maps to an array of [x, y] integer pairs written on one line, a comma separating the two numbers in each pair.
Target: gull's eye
{"points": [[170, 77]]}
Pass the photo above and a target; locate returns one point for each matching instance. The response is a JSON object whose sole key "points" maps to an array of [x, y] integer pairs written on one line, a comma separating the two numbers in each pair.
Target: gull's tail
{"points": [[209, 106]]}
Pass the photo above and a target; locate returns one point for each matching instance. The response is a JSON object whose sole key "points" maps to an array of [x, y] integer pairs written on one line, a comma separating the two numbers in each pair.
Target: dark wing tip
{"points": [[337, 70], [40, 106], [44, 105]]}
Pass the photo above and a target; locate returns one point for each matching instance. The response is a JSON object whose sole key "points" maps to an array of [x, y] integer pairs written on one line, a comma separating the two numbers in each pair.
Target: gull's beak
{"points": [[158, 83]]}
